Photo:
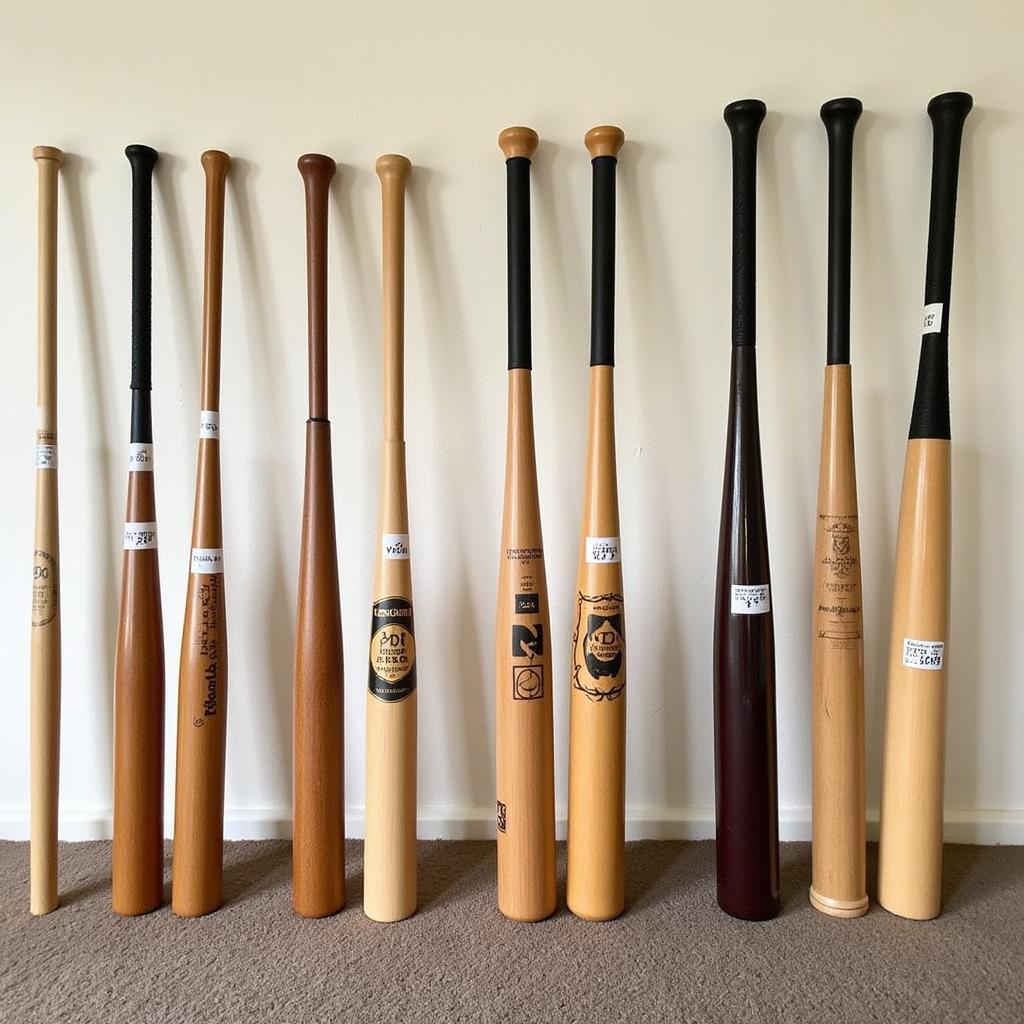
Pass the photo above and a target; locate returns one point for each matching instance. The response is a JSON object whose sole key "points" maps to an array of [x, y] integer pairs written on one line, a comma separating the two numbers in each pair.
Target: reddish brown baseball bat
{"points": [[318, 840]]}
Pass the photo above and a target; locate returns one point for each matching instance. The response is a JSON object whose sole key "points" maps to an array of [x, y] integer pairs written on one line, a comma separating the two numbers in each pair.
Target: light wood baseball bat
{"points": [[138, 848], [838, 885], [318, 838], [45, 657], [389, 853], [522, 673], [198, 864], [746, 789], [910, 837], [595, 879]]}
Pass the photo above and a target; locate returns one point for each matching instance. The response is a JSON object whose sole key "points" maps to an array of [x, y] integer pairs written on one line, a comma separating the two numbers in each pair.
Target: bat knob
{"points": [[142, 158], [744, 116], [316, 168], [604, 140], [518, 141], [950, 109], [216, 163], [393, 166], [841, 114], [48, 153]]}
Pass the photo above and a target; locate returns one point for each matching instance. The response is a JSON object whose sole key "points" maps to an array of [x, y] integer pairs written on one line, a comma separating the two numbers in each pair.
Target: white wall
{"points": [[269, 81]]}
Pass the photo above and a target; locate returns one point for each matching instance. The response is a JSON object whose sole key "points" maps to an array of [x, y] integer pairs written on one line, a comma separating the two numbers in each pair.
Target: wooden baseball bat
{"points": [[45, 657], [595, 875], [318, 838], [838, 885], [138, 848], [198, 863], [522, 659], [910, 838], [746, 798], [389, 852]]}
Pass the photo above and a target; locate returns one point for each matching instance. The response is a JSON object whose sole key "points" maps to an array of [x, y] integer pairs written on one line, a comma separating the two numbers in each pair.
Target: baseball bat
{"points": [[595, 875], [197, 868], [389, 852], [746, 799], [522, 659], [138, 848], [44, 672], [838, 885], [318, 838], [910, 836]]}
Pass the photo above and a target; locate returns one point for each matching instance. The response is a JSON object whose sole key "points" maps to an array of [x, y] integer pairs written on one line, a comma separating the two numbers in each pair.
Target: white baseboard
{"points": [[980, 827]]}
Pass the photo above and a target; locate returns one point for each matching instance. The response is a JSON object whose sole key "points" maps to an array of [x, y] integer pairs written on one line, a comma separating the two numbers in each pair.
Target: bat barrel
{"points": [[317, 171], [744, 119], [930, 417], [840, 117], [603, 144], [518, 144]]}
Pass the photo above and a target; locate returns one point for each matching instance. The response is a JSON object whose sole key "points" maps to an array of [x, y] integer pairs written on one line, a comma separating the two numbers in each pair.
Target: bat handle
{"points": [[518, 144], [930, 418], [142, 160], [317, 171], [603, 143], [744, 119], [216, 165], [840, 117]]}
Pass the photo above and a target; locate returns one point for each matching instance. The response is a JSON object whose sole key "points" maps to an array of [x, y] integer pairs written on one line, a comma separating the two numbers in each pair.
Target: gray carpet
{"points": [[673, 956]]}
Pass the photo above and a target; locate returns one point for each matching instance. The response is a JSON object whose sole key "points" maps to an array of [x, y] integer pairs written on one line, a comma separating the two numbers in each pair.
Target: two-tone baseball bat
{"points": [[910, 837], [389, 851], [138, 848], [198, 864], [318, 838], [746, 797], [838, 885], [44, 713], [522, 658], [595, 878]]}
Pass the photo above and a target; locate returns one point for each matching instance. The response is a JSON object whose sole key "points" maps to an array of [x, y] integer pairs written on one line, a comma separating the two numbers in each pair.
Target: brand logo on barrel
{"points": [[527, 640], [840, 559], [599, 647], [45, 589], [502, 816], [392, 650], [527, 682], [527, 604]]}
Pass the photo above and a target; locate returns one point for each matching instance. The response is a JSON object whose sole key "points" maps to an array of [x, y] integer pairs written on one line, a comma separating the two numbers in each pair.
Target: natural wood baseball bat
{"points": [[389, 853], [746, 795], [45, 657], [318, 838], [522, 659], [595, 879], [198, 864], [838, 885], [910, 837], [138, 848]]}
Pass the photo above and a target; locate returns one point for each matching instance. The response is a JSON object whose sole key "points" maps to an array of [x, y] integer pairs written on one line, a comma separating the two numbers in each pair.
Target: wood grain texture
{"points": [[45, 662], [595, 881], [910, 829], [138, 846], [523, 681], [389, 872], [318, 836], [198, 869], [838, 879]]}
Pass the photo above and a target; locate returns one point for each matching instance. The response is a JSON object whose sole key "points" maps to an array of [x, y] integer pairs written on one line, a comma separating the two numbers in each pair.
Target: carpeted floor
{"points": [[673, 956]]}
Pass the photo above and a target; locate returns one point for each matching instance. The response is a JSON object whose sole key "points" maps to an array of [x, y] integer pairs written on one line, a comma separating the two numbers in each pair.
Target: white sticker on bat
{"points": [[140, 458], [932, 318], [139, 536], [598, 550], [926, 654], [46, 456], [206, 561], [209, 424], [395, 547], [751, 599]]}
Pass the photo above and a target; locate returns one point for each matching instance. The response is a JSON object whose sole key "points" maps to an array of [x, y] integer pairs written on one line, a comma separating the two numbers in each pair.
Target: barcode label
{"points": [[926, 654], [139, 536], [932, 318], [751, 599], [602, 549]]}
